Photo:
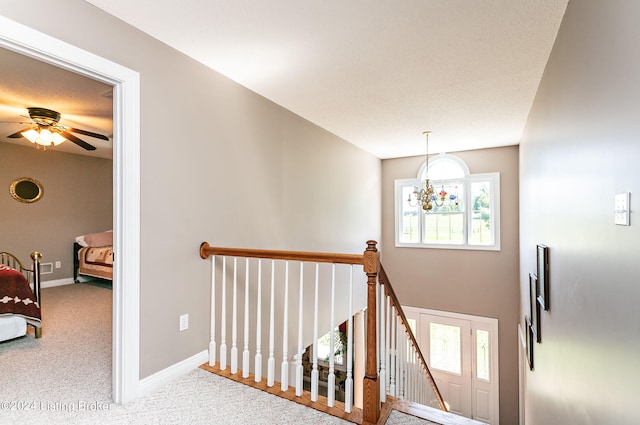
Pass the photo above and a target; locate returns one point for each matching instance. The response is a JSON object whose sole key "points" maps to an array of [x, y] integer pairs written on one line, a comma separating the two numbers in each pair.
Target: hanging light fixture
{"points": [[425, 197], [43, 136]]}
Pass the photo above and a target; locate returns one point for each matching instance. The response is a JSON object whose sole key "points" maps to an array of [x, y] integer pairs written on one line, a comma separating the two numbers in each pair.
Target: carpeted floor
{"points": [[65, 378]]}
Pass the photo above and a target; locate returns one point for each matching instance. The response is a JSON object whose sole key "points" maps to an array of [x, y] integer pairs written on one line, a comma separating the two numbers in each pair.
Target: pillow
{"points": [[98, 239]]}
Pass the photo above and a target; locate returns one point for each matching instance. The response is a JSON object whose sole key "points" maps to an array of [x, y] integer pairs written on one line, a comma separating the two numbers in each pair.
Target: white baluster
{"points": [[401, 355], [284, 367], [271, 362], [212, 343], [393, 354], [245, 352], [234, 319], [258, 361], [348, 384], [314, 371], [331, 378], [387, 351], [299, 369], [383, 350], [223, 317]]}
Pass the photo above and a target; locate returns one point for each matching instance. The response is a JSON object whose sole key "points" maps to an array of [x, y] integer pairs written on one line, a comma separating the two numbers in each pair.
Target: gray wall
{"points": [[579, 149], [77, 200], [219, 164], [483, 283]]}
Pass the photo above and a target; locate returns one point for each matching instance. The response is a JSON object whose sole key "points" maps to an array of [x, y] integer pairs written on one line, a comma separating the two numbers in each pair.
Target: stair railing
{"points": [[227, 271], [404, 372], [393, 363]]}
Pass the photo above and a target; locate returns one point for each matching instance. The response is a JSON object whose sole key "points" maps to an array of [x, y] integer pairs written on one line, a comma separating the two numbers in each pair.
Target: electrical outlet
{"points": [[184, 322], [58, 264]]}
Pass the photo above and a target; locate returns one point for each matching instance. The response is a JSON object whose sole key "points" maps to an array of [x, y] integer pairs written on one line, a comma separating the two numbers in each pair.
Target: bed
{"points": [[19, 296], [93, 255]]}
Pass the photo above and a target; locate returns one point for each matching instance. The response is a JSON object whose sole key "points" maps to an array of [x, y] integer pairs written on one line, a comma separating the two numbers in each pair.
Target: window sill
{"points": [[450, 246]]}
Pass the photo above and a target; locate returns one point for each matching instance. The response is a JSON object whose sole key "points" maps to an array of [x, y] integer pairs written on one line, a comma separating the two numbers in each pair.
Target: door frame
{"points": [[477, 323], [126, 187]]}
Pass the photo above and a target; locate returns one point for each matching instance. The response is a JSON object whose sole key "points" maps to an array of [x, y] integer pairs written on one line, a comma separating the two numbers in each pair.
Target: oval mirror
{"points": [[26, 189]]}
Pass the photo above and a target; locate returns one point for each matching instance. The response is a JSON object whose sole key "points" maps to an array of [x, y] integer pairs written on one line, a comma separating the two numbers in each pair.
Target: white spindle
{"points": [[245, 352], [284, 367], [348, 384], [234, 319], [271, 362], [393, 353], [223, 317], [379, 321], [331, 378], [314, 371], [212, 342], [258, 361], [387, 350], [383, 345], [299, 368]]}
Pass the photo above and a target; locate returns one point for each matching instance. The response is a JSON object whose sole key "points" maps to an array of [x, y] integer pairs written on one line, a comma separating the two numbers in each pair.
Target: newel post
{"points": [[371, 390]]}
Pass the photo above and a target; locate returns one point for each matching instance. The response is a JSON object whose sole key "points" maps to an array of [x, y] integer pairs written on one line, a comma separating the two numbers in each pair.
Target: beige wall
{"points": [[579, 149], [77, 199], [483, 283], [219, 164]]}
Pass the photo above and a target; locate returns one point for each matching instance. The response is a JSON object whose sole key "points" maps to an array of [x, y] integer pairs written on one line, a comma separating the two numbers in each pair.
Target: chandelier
{"points": [[427, 196]]}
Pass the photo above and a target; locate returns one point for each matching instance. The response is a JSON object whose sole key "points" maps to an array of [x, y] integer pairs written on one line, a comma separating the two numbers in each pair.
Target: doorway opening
{"points": [[126, 186]]}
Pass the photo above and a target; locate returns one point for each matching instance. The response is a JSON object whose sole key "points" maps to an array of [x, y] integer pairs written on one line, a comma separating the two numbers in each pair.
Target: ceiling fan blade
{"points": [[70, 137], [87, 133], [18, 134]]}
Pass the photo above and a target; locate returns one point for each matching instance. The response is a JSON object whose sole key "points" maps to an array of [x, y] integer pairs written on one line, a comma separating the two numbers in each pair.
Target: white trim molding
{"points": [[126, 140], [173, 372]]}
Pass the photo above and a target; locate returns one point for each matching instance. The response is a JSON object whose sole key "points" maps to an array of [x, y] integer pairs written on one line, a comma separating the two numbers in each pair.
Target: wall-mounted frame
{"points": [[529, 341], [535, 306], [543, 276], [26, 189]]}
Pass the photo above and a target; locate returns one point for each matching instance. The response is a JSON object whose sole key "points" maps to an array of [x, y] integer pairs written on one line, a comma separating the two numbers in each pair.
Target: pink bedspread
{"points": [[16, 296]]}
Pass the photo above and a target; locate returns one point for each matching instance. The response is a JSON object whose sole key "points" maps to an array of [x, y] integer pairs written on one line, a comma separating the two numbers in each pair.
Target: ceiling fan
{"points": [[46, 131]]}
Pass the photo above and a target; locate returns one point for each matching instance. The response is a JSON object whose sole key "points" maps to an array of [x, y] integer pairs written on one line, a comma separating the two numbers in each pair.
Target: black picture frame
{"points": [[543, 276], [529, 342], [535, 306]]}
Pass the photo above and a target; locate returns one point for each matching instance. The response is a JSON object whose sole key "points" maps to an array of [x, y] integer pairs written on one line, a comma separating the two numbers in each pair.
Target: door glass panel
{"points": [[445, 348], [412, 325], [482, 359]]}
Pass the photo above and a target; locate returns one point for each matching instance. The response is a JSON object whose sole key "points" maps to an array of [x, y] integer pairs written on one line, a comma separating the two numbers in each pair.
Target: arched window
{"points": [[465, 211]]}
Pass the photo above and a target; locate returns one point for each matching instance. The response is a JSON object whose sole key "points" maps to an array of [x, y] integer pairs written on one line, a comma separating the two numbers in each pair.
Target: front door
{"points": [[462, 353], [449, 358]]}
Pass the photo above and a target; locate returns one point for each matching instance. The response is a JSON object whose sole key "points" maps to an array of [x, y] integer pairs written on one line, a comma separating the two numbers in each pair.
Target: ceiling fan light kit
{"points": [[43, 137], [47, 131]]}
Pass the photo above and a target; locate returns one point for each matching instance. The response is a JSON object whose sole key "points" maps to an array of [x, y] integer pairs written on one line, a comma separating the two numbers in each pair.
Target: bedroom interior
{"points": [[56, 198]]}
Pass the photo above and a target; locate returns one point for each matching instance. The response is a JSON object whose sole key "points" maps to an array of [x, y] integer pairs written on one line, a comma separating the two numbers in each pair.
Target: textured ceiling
{"points": [[374, 72]]}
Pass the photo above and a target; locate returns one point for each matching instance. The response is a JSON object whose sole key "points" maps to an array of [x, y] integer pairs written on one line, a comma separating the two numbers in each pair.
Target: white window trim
{"points": [[469, 178]]}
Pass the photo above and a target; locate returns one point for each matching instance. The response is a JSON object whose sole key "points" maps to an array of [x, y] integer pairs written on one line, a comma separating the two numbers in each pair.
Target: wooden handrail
{"points": [[371, 263], [388, 289], [317, 257]]}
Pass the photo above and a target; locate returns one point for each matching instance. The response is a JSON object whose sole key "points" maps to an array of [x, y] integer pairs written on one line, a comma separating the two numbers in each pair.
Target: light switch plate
{"points": [[621, 211]]}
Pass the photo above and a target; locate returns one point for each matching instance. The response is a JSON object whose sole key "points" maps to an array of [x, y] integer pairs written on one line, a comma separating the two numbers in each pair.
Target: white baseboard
{"points": [[158, 379], [56, 282]]}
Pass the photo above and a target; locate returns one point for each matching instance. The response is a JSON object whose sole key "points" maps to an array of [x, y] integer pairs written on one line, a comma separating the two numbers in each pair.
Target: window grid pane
{"points": [[409, 221], [444, 228], [481, 231]]}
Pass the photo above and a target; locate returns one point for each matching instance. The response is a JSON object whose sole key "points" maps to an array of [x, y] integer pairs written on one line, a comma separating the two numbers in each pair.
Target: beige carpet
{"points": [[65, 378]]}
